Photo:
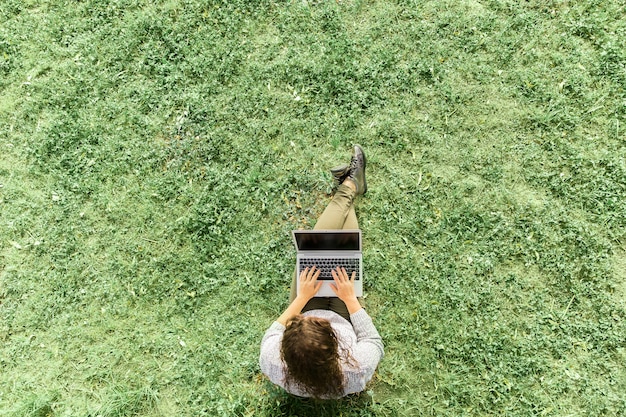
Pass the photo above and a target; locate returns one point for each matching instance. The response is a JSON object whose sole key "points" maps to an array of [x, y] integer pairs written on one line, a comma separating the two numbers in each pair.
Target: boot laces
{"points": [[353, 164]]}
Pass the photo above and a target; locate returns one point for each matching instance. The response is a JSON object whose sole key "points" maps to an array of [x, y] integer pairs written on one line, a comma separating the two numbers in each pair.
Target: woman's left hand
{"points": [[309, 286]]}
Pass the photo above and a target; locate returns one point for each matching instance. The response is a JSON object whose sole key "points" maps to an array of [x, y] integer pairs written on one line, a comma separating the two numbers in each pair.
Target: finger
{"points": [[311, 272], [353, 277], [303, 273], [339, 274], [335, 289], [317, 274], [345, 273]]}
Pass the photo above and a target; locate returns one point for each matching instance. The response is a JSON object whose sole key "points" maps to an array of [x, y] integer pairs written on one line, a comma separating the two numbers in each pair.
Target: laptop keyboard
{"points": [[325, 265]]}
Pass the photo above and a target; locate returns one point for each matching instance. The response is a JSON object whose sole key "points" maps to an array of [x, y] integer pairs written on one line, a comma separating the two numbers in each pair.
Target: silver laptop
{"points": [[328, 249]]}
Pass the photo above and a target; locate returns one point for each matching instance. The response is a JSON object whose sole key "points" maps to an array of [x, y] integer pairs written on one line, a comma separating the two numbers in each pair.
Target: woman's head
{"points": [[310, 350]]}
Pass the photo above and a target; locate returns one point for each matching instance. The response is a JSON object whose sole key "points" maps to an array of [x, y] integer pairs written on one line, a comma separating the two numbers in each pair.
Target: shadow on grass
{"points": [[283, 404]]}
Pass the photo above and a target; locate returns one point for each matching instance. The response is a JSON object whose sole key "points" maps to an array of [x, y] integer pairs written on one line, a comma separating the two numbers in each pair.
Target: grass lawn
{"points": [[155, 155]]}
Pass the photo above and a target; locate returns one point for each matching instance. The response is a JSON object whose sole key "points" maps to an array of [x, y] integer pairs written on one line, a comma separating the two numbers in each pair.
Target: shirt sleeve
{"points": [[369, 348], [269, 360]]}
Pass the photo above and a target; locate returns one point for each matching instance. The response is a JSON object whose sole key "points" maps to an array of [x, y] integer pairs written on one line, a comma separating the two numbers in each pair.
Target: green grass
{"points": [[155, 155]]}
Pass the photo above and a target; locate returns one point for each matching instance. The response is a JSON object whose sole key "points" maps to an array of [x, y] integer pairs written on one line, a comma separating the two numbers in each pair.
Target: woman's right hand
{"points": [[344, 287]]}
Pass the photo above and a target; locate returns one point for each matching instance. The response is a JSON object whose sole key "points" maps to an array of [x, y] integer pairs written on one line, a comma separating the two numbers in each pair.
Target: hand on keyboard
{"points": [[344, 285], [309, 285]]}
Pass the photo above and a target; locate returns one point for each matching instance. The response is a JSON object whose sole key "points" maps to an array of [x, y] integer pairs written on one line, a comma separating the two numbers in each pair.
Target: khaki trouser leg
{"points": [[339, 214]]}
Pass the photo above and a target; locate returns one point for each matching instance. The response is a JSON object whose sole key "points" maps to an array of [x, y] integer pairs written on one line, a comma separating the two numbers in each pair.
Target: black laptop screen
{"points": [[327, 240]]}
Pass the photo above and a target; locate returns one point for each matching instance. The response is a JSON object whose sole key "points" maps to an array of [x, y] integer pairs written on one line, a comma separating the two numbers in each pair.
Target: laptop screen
{"points": [[332, 240]]}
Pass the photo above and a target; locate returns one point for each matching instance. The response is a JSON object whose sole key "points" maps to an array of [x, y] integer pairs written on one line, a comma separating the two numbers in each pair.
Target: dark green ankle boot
{"points": [[357, 170]]}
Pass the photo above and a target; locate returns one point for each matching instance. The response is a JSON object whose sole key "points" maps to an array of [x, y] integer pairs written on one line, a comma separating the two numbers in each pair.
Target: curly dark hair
{"points": [[310, 349]]}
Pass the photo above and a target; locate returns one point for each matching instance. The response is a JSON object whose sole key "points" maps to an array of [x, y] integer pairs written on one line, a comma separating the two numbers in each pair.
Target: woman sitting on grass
{"points": [[326, 347]]}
